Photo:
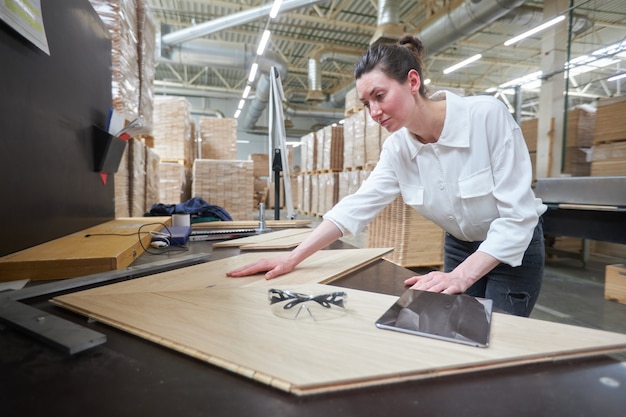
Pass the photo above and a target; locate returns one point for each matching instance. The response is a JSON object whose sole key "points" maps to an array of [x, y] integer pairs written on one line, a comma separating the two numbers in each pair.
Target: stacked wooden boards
{"points": [[227, 322]]}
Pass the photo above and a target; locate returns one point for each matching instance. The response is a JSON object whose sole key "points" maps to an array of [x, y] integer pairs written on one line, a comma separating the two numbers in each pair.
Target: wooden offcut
{"points": [[280, 239], [106, 247], [227, 322]]}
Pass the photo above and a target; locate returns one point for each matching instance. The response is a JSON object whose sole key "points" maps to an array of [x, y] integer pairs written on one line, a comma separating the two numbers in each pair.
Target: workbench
{"points": [[131, 376]]}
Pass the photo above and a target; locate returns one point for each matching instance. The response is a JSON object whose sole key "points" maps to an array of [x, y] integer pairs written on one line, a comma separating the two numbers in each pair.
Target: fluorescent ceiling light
{"points": [[293, 144], [427, 81], [253, 71], [243, 141], [275, 8], [537, 29], [462, 64], [246, 91], [264, 39], [237, 113], [617, 77], [242, 103]]}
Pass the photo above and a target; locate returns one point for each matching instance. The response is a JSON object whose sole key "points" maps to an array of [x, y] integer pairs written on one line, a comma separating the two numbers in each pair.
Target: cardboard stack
{"points": [[225, 183], [122, 187]]}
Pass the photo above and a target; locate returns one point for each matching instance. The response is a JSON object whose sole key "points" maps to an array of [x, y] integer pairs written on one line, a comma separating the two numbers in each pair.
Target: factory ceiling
{"points": [[210, 45]]}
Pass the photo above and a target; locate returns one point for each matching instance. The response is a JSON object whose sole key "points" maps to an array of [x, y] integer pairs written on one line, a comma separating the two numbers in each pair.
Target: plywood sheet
{"points": [[280, 239], [234, 328], [108, 246]]}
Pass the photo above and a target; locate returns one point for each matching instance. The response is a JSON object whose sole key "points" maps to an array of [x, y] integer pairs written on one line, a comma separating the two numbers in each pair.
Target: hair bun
{"points": [[412, 42]]}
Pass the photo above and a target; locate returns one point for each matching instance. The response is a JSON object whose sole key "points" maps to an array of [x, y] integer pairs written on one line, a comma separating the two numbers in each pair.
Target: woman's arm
{"points": [[323, 235]]}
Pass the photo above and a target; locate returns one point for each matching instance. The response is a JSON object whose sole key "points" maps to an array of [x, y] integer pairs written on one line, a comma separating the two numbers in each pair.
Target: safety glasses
{"points": [[294, 305]]}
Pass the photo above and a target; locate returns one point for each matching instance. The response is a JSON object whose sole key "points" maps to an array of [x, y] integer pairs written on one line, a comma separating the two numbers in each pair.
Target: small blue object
{"points": [[173, 235]]}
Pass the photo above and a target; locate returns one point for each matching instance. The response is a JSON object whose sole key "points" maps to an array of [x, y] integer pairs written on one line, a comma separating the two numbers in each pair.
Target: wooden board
{"points": [[227, 322], [251, 224], [280, 239], [108, 246]]}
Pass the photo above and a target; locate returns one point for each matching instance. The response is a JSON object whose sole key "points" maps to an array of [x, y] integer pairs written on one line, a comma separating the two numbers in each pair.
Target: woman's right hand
{"points": [[273, 267]]}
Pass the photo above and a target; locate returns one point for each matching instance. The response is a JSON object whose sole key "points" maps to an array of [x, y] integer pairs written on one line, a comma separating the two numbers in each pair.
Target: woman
{"points": [[460, 162]]}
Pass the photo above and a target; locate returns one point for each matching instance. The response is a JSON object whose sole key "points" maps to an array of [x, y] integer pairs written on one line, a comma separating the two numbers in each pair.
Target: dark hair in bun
{"points": [[394, 60]]}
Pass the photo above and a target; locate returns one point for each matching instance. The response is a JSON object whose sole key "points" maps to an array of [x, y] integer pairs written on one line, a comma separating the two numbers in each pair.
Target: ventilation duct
{"points": [[469, 17], [233, 20], [343, 55], [388, 27], [528, 17]]}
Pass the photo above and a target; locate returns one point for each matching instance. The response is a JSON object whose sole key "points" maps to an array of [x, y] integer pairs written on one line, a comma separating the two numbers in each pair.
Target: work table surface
{"points": [[131, 376]]}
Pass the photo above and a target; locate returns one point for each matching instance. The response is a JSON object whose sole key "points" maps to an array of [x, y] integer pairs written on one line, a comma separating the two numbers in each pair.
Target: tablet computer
{"points": [[456, 318]]}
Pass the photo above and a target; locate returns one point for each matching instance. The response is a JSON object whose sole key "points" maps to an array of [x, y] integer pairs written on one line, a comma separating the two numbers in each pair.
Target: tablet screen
{"points": [[457, 318]]}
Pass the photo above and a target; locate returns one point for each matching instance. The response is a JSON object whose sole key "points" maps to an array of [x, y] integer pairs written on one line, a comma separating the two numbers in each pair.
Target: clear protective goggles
{"points": [[293, 305]]}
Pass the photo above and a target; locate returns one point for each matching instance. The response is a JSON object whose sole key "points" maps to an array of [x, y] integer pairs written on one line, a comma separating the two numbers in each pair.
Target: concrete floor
{"points": [[572, 292]]}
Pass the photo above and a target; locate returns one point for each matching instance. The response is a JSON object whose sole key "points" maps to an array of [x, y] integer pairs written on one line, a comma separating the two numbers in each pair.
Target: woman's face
{"points": [[389, 102]]}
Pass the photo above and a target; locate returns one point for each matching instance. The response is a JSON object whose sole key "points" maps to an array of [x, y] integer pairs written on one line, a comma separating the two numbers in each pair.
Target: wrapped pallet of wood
{"points": [[332, 148], [137, 168], [610, 121], [320, 154], [120, 18], [372, 141], [153, 179], [308, 152], [173, 182], [146, 29], [354, 141], [172, 130], [306, 194], [352, 103], [122, 187], [225, 183], [416, 240], [315, 188], [581, 124], [219, 138]]}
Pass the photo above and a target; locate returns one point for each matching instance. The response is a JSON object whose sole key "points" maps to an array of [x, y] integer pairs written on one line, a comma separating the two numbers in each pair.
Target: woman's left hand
{"points": [[437, 281]]}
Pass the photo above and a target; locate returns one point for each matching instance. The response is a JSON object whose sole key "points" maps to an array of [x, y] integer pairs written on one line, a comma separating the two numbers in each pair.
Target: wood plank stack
{"points": [[331, 156], [173, 139], [581, 124], [120, 18], [137, 168], [225, 183], [174, 184], [219, 138], [372, 141], [122, 187], [354, 141], [608, 156], [146, 30], [416, 240]]}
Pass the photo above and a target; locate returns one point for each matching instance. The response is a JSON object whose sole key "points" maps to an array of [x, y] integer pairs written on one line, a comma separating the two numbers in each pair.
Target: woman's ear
{"points": [[414, 80]]}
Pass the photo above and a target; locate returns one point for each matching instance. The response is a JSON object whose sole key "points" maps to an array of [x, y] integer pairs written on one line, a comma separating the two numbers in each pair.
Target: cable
{"points": [[166, 236]]}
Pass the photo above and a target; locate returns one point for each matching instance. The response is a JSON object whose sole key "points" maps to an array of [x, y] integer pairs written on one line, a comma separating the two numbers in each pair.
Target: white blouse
{"points": [[474, 182]]}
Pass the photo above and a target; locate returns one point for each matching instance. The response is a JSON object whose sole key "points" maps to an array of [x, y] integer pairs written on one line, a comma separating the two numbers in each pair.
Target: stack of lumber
{"points": [[173, 139], [331, 156], [228, 184], [146, 29], [122, 187], [120, 18], [352, 104], [308, 152], [174, 183], [372, 141], [581, 124], [416, 240], [610, 134], [137, 170], [354, 140], [608, 157], [219, 138]]}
